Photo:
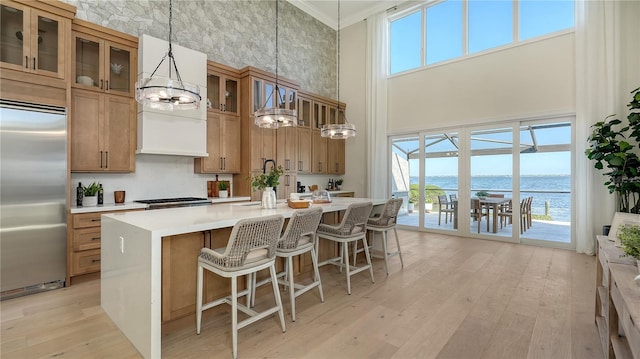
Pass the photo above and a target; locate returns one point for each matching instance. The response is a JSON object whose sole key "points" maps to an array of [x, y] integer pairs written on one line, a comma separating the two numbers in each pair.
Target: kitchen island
{"points": [[149, 262]]}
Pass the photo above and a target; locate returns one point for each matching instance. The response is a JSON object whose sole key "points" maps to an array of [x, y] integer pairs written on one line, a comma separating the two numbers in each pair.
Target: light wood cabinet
{"points": [[304, 150], [83, 246], [617, 302], [102, 132], [335, 156], [287, 185], [223, 145], [318, 153], [103, 60], [287, 148], [35, 36], [223, 89]]}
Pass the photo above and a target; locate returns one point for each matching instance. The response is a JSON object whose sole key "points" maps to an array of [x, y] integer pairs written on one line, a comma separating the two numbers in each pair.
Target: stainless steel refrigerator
{"points": [[33, 200]]}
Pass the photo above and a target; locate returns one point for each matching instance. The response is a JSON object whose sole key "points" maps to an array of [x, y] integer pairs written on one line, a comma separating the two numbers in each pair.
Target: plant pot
{"points": [[89, 201], [268, 198], [223, 193], [410, 207], [428, 207]]}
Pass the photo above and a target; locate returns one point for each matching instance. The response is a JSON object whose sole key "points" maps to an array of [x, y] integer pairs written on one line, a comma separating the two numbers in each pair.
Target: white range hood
{"points": [[180, 132]]}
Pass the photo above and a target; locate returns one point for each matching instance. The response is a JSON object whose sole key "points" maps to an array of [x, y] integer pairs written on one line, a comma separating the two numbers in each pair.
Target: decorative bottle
{"points": [[100, 195], [79, 195]]}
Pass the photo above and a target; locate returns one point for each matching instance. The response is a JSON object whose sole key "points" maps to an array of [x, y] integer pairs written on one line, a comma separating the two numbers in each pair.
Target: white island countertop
{"points": [[127, 206], [132, 254]]}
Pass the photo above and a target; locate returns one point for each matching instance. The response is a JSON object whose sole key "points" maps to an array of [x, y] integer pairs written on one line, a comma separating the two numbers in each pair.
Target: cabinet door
{"points": [[119, 132], [213, 92], [87, 65], [304, 112], [87, 108], [318, 153], [287, 148], [213, 163], [286, 186], [14, 29], [335, 154], [231, 96], [230, 138], [304, 150], [120, 69], [47, 43]]}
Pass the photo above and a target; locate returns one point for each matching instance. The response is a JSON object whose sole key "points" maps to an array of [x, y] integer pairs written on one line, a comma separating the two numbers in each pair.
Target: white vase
{"points": [[223, 193], [268, 198], [89, 201]]}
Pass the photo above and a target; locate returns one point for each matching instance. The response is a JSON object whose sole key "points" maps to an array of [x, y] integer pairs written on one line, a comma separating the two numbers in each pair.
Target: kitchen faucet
{"points": [[264, 165]]}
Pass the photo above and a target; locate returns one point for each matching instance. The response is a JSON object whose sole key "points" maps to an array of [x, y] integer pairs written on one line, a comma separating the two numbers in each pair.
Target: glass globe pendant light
{"points": [[275, 117], [164, 93], [343, 129]]}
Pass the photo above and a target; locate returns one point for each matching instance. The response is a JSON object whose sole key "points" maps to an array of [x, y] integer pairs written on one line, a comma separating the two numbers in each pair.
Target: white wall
{"points": [[156, 176], [533, 78], [352, 91]]}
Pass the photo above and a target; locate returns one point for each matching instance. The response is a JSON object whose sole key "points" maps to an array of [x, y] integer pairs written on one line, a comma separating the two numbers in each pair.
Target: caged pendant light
{"points": [[167, 93], [343, 129], [275, 117]]}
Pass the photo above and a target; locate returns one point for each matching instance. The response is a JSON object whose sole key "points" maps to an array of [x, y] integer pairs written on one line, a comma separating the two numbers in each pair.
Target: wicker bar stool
{"points": [[252, 247], [352, 229], [383, 223], [299, 237]]}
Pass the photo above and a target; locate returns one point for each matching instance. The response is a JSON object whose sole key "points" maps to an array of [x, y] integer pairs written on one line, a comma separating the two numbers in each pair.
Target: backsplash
{"points": [[234, 33], [156, 176]]}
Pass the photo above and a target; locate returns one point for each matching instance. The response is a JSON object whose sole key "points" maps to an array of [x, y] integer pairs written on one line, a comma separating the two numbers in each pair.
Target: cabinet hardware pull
{"points": [[287, 165], [224, 163], [26, 62], [100, 159], [220, 164], [95, 238], [101, 84], [34, 63], [95, 260], [107, 159], [224, 107], [95, 219], [107, 87]]}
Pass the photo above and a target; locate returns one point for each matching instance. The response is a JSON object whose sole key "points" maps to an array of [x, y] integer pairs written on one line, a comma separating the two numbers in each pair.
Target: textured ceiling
{"points": [[351, 11]]}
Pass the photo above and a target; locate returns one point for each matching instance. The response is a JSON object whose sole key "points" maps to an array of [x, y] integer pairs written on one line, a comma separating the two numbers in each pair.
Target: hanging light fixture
{"points": [[343, 129], [164, 93], [275, 117]]}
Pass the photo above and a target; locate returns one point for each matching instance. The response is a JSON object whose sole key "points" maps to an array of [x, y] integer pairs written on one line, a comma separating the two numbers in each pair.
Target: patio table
{"points": [[494, 203]]}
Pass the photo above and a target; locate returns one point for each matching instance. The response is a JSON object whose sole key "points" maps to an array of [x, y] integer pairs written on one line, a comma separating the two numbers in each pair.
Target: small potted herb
{"points": [[629, 236], [482, 194], [90, 194], [223, 187]]}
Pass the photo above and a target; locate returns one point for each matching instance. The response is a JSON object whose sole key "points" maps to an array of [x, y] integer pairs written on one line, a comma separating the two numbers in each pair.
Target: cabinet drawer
{"points": [[86, 220], [86, 238], [632, 332], [86, 261]]}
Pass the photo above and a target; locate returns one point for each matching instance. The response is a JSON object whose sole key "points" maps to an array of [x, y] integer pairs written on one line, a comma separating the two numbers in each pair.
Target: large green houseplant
{"points": [[612, 145]]}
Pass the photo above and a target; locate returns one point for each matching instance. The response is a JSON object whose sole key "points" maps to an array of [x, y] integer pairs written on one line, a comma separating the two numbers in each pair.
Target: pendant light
{"points": [[343, 129], [164, 93], [275, 117]]}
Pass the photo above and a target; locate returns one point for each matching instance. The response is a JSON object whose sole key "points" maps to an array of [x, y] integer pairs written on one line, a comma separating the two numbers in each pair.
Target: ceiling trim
{"points": [[345, 21]]}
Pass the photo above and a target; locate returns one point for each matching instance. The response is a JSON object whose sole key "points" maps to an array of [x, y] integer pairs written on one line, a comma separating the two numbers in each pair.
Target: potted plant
{"points": [[90, 194], [223, 187], [412, 203], [482, 194], [611, 145], [338, 183], [267, 182], [629, 236]]}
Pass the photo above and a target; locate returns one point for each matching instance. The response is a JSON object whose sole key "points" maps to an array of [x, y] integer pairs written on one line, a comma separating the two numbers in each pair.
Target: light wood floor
{"points": [[455, 298]]}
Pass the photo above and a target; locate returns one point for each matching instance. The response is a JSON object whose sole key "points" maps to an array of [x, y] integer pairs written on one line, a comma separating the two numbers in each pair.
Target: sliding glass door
{"points": [[510, 181]]}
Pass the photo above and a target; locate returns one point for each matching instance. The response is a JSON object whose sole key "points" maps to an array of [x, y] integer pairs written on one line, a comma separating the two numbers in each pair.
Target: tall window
{"points": [[490, 24], [406, 43], [456, 28], [444, 31]]}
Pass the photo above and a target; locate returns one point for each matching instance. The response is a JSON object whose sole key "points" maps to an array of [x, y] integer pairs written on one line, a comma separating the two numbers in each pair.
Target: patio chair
{"points": [[508, 215], [445, 207], [478, 211]]}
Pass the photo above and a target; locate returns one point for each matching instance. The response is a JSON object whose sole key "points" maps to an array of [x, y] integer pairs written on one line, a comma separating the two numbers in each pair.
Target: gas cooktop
{"points": [[174, 202]]}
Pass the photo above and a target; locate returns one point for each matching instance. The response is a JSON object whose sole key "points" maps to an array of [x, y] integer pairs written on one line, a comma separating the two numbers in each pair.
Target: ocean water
{"points": [[554, 190]]}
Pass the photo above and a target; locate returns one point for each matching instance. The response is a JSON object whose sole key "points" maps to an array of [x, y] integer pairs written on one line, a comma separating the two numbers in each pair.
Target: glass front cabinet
{"points": [[102, 64], [32, 40]]}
